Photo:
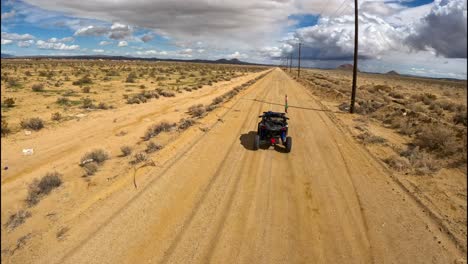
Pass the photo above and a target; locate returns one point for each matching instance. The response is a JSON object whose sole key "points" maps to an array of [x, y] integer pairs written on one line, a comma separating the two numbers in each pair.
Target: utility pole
{"points": [[287, 61], [353, 92], [290, 62], [299, 61]]}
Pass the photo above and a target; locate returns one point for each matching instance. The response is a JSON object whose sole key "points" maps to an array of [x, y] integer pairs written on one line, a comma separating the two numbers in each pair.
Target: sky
{"points": [[418, 37]]}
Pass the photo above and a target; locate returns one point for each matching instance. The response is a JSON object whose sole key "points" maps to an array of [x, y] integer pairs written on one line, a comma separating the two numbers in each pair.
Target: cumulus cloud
{"points": [[66, 39], [333, 38], [15, 36], [236, 55], [8, 15], [92, 31], [6, 41], [25, 43], [119, 31], [55, 46], [122, 43], [443, 30], [147, 38], [104, 43], [98, 50], [151, 53]]}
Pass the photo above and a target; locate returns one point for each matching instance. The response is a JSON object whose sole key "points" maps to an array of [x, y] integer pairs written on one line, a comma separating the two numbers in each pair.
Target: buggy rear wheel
{"points": [[288, 144], [256, 142]]}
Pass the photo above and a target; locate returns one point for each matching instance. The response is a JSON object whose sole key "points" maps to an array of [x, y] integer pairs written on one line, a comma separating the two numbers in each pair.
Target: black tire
{"points": [[256, 142], [288, 144]]}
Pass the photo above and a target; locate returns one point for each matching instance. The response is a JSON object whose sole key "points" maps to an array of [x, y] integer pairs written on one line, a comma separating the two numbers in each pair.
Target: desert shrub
{"points": [[197, 110], [34, 123], [56, 116], [152, 147], [136, 99], [103, 106], [87, 103], [368, 138], [9, 102], [38, 87], [17, 219], [210, 107], [421, 162], [185, 123], [166, 93], [154, 130], [69, 92], [126, 150], [142, 86], [218, 100], [39, 188], [63, 101], [12, 82], [5, 129], [97, 155], [86, 89], [438, 139], [460, 118], [139, 157], [90, 168], [131, 77], [397, 163], [396, 95], [84, 80]]}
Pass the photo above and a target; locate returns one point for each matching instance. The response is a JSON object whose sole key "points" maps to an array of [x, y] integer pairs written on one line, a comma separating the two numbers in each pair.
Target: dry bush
{"points": [[185, 123], [34, 123], [17, 219], [90, 168], [197, 110], [368, 138], [39, 188], [9, 102], [217, 100], [139, 157], [38, 87], [166, 93], [438, 139], [87, 103], [96, 155], [103, 106], [84, 80], [398, 163], [63, 101], [460, 118], [131, 77], [56, 116], [86, 89], [126, 150], [154, 130], [152, 147], [5, 129], [421, 162]]}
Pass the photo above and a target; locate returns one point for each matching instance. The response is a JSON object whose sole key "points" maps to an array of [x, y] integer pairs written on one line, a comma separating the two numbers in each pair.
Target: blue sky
{"points": [[401, 35]]}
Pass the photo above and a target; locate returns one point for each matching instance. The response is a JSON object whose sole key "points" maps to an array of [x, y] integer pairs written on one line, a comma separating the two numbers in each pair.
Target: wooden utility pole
{"points": [[290, 62], [299, 61], [353, 92]]}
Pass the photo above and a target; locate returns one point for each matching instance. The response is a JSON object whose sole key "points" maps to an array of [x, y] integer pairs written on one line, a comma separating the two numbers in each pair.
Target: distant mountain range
{"points": [[105, 57], [347, 67]]}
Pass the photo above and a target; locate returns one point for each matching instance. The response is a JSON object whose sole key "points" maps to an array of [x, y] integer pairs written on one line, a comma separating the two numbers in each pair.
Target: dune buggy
{"points": [[273, 129]]}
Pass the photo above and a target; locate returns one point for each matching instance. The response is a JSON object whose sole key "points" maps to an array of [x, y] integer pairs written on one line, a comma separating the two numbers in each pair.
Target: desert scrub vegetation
{"points": [[5, 129], [156, 129], [38, 87], [126, 150], [91, 160], [139, 157], [82, 81], [152, 147], [17, 219], [9, 102], [368, 138], [34, 123], [40, 188], [185, 123], [197, 110], [56, 116]]}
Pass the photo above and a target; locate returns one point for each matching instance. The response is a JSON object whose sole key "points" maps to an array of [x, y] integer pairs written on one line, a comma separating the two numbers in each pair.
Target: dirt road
{"points": [[219, 201]]}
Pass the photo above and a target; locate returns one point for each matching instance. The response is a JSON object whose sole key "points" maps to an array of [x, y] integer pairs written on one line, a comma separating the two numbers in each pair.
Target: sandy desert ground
{"points": [[204, 196]]}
